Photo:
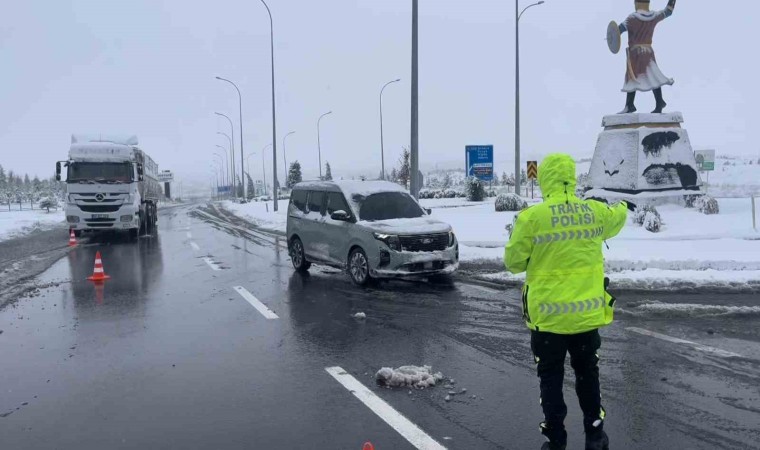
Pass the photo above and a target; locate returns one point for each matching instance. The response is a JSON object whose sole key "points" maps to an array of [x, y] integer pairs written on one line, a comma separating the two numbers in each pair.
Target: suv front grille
{"points": [[425, 242]]}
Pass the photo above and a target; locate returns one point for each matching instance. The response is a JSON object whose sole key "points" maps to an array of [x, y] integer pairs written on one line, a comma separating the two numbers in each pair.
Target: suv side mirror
{"points": [[428, 211], [58, 171], [340, 215]]}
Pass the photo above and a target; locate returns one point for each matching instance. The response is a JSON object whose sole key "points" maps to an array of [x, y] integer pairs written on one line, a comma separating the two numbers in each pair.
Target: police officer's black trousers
{"points": [[549, 351]]}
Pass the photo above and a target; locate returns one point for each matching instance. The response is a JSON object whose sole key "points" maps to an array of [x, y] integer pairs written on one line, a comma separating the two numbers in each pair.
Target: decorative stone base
{"points": [[644, 153]]}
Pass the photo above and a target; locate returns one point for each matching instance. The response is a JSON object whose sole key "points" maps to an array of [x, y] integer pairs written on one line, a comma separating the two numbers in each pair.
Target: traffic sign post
{"points": [[705, 163], [479, 161], [532, 172]]}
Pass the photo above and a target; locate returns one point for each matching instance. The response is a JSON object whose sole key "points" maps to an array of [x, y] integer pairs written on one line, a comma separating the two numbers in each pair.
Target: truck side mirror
{"points": [[58, 171], [140, 172]]}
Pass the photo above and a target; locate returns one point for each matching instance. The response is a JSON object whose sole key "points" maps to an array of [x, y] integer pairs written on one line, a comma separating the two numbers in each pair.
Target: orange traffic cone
{"points": [[72, 238], [368, 446], [98, 274]]}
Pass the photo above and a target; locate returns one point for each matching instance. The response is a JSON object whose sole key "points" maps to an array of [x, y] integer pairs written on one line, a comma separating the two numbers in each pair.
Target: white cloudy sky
{"points": [[147, 67]]}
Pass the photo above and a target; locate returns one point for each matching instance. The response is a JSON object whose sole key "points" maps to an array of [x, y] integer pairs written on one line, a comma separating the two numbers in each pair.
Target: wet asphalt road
{"points": [[168, 355]]}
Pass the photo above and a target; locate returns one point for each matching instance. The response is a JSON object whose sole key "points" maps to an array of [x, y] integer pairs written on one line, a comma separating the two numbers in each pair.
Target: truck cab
{"points": [[111, 185]]}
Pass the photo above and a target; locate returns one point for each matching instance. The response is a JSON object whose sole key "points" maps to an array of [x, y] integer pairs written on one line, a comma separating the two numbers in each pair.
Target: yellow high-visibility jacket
{"points": [[559, 244]]}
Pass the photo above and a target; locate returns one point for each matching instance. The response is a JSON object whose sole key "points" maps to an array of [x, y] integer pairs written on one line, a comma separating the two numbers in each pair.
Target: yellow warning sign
{"points": [[532, 170]]}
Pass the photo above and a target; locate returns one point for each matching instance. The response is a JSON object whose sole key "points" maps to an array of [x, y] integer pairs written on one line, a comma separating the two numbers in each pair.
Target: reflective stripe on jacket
{"points": [[559, 244]]}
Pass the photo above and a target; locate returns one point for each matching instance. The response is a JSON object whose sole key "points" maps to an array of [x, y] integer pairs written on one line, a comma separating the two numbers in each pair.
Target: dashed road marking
{"points": [[194, 246], [406, 428], [189, 235], [260, 307], [212, 264], [695, 345]]}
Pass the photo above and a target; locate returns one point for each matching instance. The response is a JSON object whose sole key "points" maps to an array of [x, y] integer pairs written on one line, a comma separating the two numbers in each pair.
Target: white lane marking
{"points": [[411, 432], [212, 264], [695, 345], [194, 246], [189, 235], [262, 308]]}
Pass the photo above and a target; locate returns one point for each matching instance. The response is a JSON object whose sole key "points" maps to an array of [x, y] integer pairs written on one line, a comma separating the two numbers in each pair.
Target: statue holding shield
{"points": [[642, 72]]}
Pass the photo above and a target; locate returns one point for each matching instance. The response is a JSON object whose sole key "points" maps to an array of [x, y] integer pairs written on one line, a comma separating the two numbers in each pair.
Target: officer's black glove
{"points": [[631, 206], [597, 199]]}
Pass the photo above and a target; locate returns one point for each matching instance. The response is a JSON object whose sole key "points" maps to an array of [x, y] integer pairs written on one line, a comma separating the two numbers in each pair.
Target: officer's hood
{"points": [[556, 175]]}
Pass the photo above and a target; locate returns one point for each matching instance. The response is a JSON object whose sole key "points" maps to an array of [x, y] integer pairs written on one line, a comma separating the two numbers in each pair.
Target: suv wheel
{"points": [[297, 256], [358, 267]]}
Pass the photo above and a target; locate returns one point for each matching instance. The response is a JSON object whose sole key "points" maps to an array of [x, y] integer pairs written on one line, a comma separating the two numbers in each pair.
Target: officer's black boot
{"points": [[597, 440], [629, 106], [556, 435], [660, 102]]}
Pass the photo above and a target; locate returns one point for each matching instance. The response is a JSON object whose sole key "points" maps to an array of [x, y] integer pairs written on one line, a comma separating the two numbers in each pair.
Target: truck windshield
{"points": [[388, 205], [101, 172]]}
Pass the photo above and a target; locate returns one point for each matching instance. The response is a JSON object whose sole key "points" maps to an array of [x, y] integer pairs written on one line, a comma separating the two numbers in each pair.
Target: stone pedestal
{"points": [[646, 155]]}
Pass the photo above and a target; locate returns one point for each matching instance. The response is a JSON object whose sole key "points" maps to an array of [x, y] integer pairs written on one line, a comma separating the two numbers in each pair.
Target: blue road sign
{"points": [[224, 189], [479, 161]]}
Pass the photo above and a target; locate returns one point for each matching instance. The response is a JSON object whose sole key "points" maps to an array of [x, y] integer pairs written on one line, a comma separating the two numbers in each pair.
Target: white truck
{"points": [[110, 185]]}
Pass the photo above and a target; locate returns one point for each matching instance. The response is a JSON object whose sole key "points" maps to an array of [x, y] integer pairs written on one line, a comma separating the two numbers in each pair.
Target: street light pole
{"points": [[232, 133], [232, 160], [264, 168], [382, 148], [248, 164], [274, 120], [284, 158], [240, 104], [517, 89], [414, 141], [319, 143], [224, 162]]}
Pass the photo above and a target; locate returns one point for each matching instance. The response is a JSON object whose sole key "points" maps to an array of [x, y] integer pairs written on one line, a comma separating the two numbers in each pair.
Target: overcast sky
{"points": [[147, 67]]}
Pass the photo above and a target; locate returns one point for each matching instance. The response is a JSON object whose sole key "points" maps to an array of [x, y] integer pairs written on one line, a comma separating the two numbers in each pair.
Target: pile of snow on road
{"points": [[419, 377]]}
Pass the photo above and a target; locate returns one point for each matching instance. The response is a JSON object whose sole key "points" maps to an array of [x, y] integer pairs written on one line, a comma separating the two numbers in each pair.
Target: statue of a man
{"points": [[642, 72]]}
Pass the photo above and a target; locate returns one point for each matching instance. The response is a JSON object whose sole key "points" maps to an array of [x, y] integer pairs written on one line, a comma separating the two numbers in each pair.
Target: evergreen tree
{"points": [[294, 174], [328, 172], [504, 179], [523, 177], [404, 171], [3, 179], [394, 175], [446, 183], [251, 189]]}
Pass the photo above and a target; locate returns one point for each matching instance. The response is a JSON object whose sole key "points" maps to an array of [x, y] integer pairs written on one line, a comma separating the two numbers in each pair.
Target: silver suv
{"points": [[372, 229]]}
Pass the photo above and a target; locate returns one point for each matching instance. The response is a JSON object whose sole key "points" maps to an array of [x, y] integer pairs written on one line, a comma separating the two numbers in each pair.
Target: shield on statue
{"points": [[613, 37]]}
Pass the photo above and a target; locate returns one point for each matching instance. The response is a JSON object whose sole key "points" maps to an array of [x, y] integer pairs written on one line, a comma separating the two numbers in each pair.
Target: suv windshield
{"points": [[388, 205], [100, 172]]}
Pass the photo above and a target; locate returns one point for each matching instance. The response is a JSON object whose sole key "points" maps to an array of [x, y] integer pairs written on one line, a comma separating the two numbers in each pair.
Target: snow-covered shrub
{"points": [[438, 194], [639, 216], [510, 202], [450, 193], [690, 200], [652, 222], [474, 190], [707, 205], [425, 193], [48, 202]]}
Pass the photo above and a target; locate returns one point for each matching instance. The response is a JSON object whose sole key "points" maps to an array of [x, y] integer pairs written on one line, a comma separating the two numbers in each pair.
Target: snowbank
{"points": [[261, 214], [419, 377], [19, 223]]}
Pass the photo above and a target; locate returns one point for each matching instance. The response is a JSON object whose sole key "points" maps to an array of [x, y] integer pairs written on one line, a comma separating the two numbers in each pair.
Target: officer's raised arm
{"points": [[615, 217]]}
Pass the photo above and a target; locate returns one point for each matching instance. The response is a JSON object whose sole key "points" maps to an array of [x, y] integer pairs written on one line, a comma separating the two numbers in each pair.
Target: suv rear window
{"points": [[316, 199], [298, 200]]}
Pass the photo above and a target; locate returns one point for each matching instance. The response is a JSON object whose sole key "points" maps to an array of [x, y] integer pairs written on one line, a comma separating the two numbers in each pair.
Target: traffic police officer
{"points": [[565, 300]]}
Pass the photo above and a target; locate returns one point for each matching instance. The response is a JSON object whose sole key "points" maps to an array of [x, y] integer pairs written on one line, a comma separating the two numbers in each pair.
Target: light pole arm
{"points": [[527, 8]]}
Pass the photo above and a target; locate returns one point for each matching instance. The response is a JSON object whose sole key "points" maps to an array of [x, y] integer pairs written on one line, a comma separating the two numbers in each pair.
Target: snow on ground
{"points": [[261, 214], [18, 223], [419, 377]]}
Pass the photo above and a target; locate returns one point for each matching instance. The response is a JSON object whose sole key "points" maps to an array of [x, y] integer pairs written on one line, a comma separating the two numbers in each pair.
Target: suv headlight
{"points": [[452, 239], [391, 240]]}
